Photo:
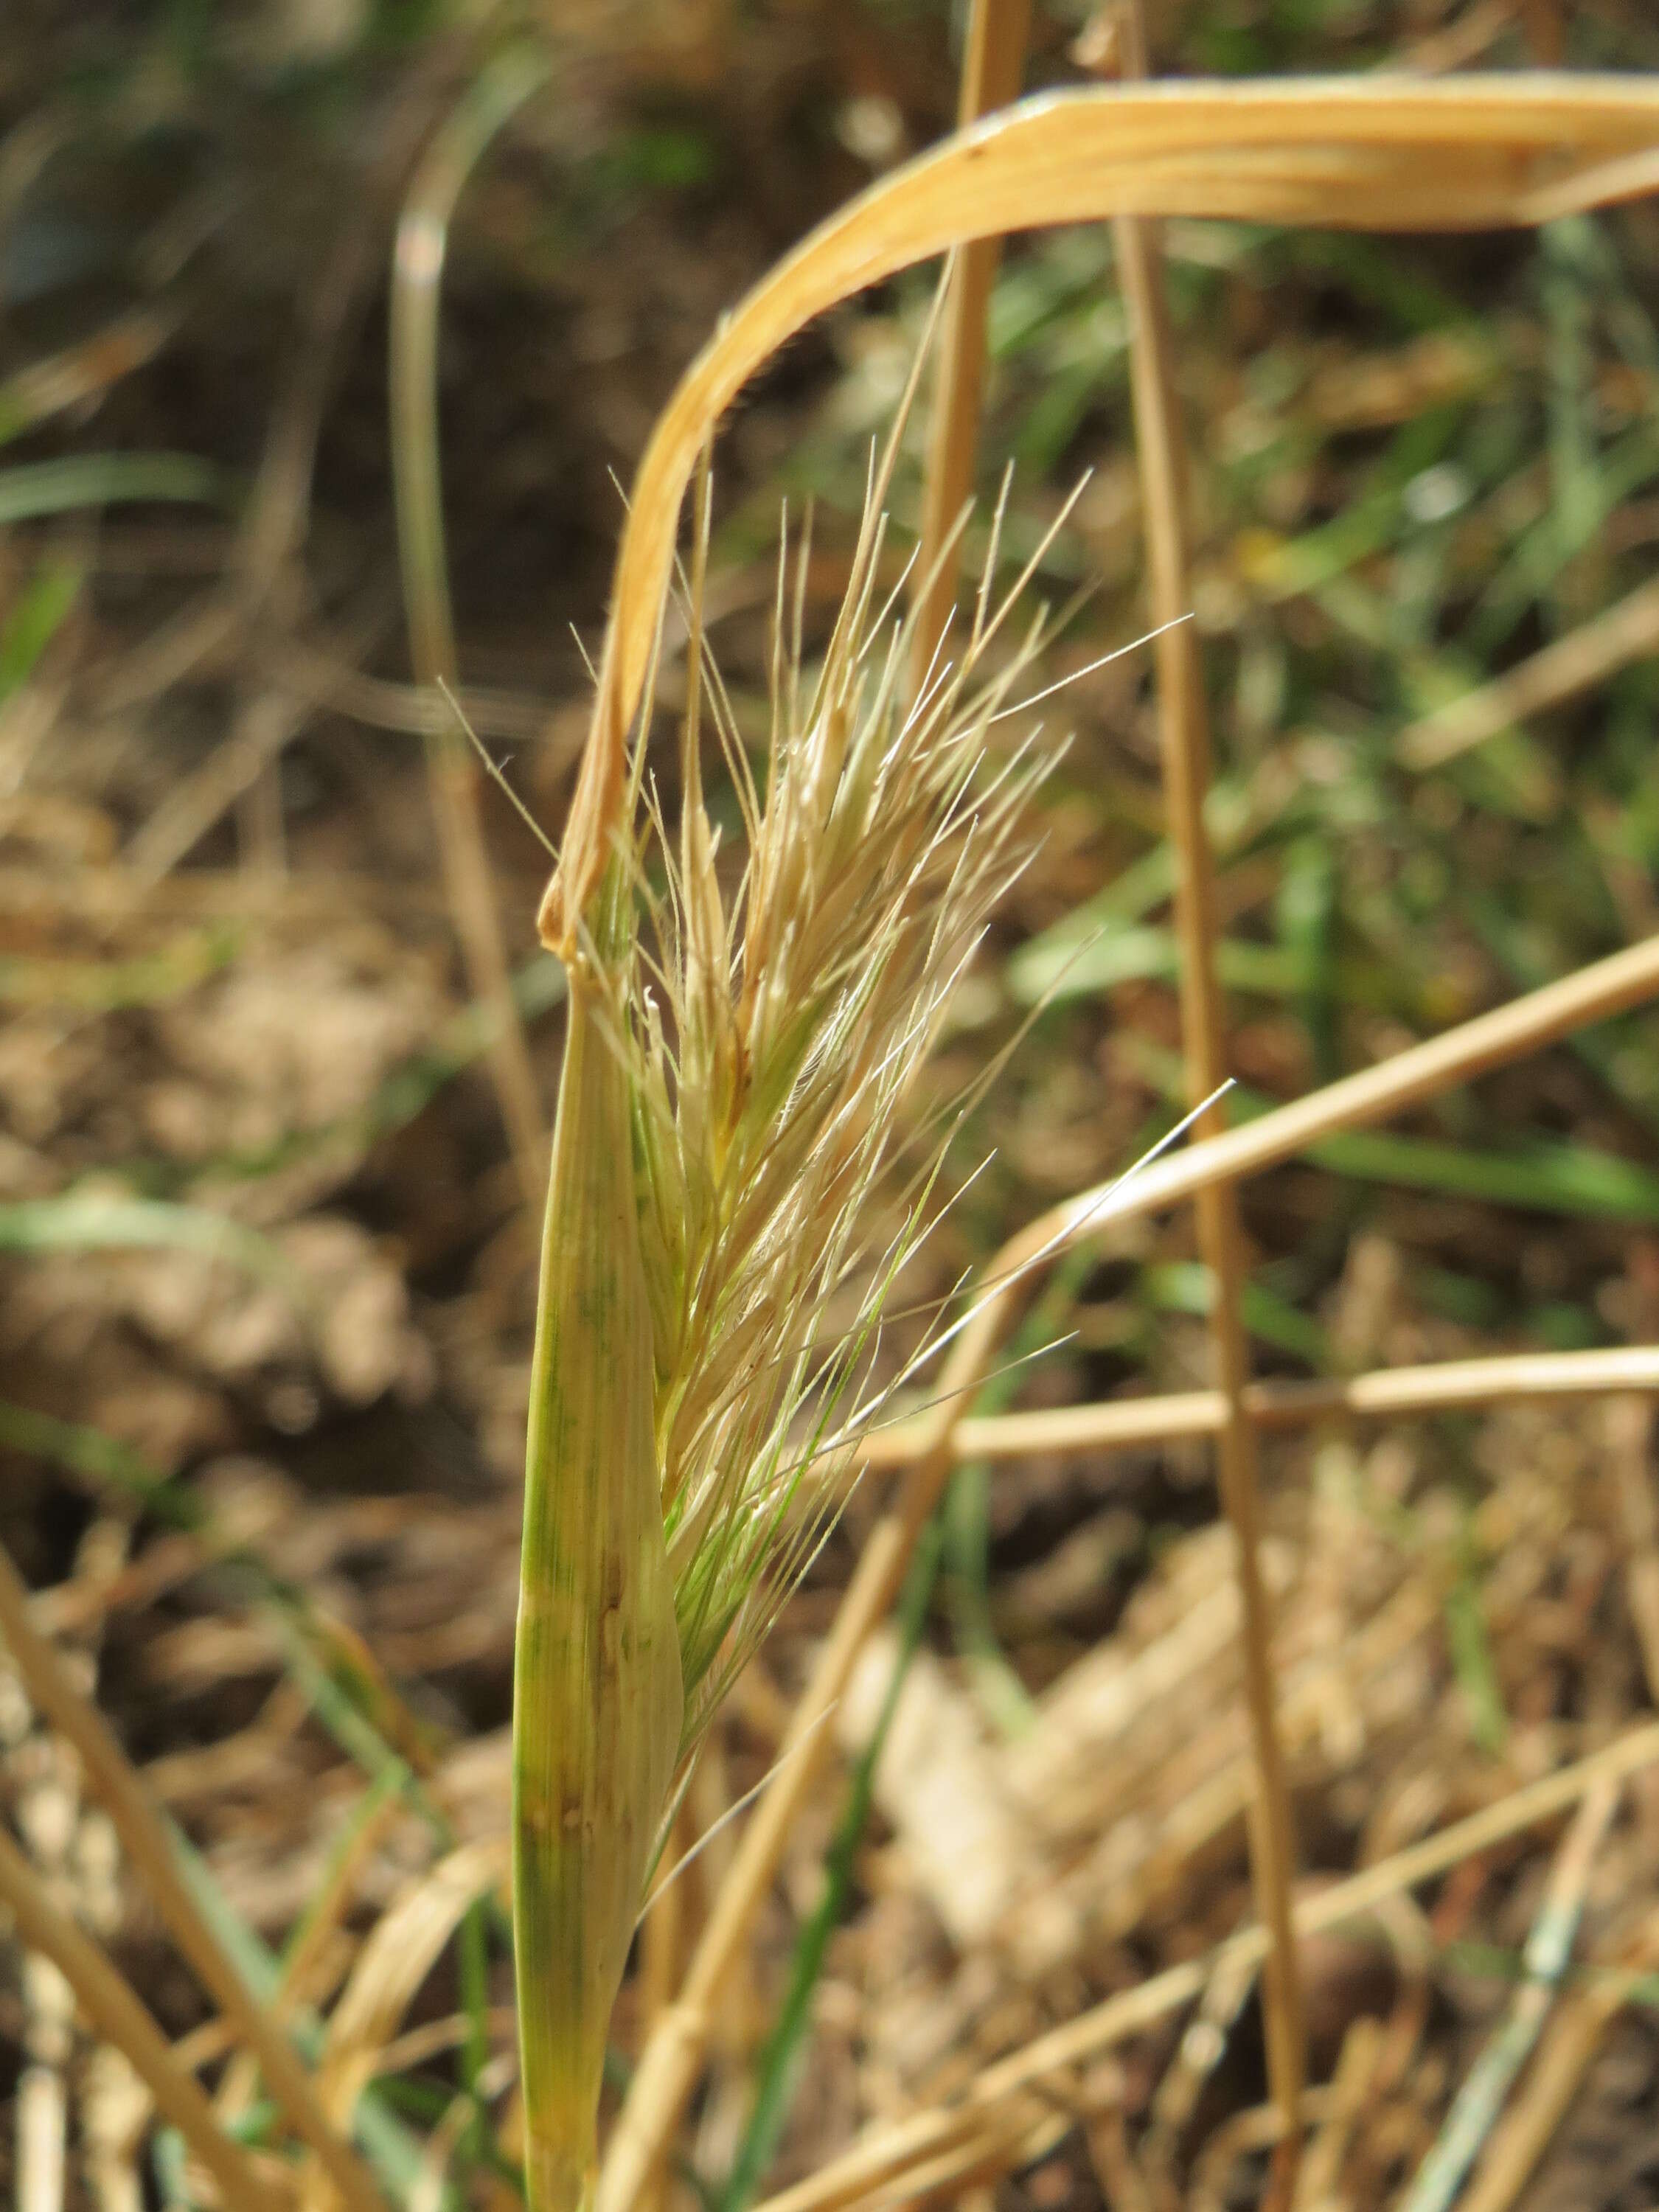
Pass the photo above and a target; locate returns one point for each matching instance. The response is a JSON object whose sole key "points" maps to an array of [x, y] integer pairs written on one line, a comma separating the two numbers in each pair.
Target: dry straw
{"points": [[1184, 748], [100, 1989], [890, 2165]]}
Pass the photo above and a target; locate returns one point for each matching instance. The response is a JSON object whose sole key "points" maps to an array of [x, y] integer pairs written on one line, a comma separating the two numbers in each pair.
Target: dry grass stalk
{"points": [[401, 1951], [60, 1831], [1479, 2101], [1592, 994], [992, 69], [1558, 671], [308, 1949], [1184, 748], [1357, 2066], [113, 1781], [1563, 2060], [1387, 1393], [661, 1962], [458, 817]]}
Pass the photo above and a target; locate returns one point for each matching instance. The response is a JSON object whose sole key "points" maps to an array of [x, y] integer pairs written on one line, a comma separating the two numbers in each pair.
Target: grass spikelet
{"points": [[741, 1043]]}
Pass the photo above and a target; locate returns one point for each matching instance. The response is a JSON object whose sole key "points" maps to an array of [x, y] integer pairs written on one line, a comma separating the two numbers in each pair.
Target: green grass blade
{"points": [[1542, 1176], [96, 1457], [93, 1221], [34, 489], [36, 616]]}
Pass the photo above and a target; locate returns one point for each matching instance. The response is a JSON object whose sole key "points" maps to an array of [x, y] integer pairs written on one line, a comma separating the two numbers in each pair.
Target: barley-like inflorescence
{"points": [[738, 1059]]}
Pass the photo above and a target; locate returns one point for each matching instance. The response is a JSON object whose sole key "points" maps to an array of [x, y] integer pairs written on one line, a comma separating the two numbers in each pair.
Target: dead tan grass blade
{"points": [[1385, 1394], [398, 1955], [1374, 153]]}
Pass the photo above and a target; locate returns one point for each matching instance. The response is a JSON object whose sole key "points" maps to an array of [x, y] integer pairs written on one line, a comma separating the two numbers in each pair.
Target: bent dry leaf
{"points": [[1388, 153]]}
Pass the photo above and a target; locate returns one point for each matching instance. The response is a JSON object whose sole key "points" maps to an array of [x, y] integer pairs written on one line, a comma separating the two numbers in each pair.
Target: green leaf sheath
{"points": [[597, 1701]]}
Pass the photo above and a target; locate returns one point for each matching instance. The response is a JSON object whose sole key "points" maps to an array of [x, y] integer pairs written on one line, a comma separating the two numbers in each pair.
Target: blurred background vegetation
{"points": [[268, 1271]]}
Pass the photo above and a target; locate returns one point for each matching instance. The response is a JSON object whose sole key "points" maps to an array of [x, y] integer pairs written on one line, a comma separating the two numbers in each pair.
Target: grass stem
{"points": [[993, 68], [500, 90], [1184, 743]]}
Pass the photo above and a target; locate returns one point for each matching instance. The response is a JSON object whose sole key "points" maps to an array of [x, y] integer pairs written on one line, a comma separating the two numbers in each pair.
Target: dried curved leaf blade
{"points": [[1384, 154]]}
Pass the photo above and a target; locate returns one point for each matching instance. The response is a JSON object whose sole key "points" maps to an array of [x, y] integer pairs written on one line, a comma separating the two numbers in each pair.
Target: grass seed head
{"points": [[771, 1040], [736, 1068]]}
